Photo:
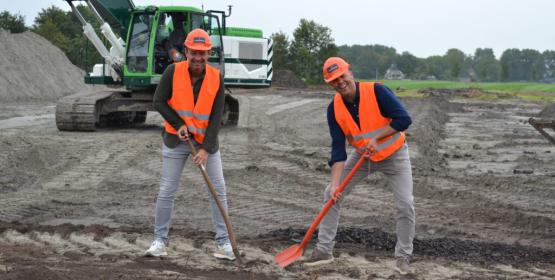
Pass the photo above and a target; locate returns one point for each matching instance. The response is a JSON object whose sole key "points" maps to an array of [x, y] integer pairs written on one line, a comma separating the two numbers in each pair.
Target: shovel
{"points": [[220, 206], [291, 254]]}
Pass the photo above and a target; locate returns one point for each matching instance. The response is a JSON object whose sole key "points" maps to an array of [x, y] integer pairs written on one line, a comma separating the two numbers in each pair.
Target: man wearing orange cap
{"points": [[372, 119], [190, 98]]}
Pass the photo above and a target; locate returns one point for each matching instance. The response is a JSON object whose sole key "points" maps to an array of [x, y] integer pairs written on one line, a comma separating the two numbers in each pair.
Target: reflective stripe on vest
{"points": [[195, 115], [189, 113], [371, 123]]}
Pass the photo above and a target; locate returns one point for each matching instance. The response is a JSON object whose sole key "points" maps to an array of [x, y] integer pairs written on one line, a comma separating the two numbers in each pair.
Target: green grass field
{"points": [[496, 87], [526, 91]]}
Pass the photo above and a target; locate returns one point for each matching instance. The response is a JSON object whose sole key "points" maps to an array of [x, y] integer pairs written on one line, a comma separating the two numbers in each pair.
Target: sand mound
{"points": [[548, 112], [286, 78], [35, 69]]}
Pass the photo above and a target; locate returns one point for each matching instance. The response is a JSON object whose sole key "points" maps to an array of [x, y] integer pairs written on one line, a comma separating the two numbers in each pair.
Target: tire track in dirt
{"points": [[493, 141], [92, 170], [481, 138], [48, 198]]}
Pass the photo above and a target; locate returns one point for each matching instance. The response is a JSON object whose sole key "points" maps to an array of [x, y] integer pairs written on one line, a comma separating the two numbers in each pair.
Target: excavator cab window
{"points": [[170, 35], [137, 55], [211, 24], [198, 21]]}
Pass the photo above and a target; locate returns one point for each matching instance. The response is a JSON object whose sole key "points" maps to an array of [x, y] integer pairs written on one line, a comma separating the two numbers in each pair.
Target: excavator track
{"points": [[87, 111], [80, 111]]}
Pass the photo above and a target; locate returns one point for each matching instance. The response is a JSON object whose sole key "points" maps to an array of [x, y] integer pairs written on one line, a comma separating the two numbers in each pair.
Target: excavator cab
{"points": [[172, 29], [156, 32]]}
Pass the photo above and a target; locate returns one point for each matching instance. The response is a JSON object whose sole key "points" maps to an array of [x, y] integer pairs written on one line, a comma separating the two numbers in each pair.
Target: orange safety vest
{"points": [[371, 121], [195, 116]]}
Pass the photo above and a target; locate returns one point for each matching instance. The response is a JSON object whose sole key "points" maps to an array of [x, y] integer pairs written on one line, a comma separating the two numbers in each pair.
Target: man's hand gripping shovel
{"points": [[291, 254], [215, 196]]}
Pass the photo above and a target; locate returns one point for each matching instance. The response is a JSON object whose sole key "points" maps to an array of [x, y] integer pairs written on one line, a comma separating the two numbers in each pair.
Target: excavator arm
{"points": [[109, 13], [117, 13]]}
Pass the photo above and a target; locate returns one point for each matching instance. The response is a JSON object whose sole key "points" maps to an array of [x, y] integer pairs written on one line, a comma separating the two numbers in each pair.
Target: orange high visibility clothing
{"points": [[371, 123], [195, 116]]}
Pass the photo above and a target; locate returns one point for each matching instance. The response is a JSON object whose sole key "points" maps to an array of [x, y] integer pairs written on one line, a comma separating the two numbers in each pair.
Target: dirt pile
{"points": [[460, 92], [447, 92], [286, 78], [445, 247], [34, 69], [548, 112]]}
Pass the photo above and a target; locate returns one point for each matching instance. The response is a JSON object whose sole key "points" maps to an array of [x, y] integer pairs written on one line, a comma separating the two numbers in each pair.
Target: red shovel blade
{"points": [[289, 255]]}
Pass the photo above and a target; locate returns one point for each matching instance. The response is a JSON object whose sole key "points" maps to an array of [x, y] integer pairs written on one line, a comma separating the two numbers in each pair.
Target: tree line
{"points": [[514, 65], [311, 44]]}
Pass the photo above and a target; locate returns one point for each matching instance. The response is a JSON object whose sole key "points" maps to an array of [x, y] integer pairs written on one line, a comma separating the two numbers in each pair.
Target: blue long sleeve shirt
{"points": [[390, 107]]}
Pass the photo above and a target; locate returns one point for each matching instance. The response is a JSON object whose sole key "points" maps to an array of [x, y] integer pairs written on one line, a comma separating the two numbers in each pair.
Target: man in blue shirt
{"points": [[376, 126]]}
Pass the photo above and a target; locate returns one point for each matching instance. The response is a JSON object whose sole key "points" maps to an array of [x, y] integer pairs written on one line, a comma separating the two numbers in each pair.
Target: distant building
{"points": [[393, 73]]}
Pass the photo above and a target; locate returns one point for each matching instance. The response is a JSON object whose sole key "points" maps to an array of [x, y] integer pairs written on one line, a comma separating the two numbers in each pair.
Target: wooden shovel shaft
{"points": [[331, 202], [220, 206]]}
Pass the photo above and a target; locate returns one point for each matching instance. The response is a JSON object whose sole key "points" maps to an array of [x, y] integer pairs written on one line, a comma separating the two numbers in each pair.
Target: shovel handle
{"points": [[330, 202], [218, 203]]}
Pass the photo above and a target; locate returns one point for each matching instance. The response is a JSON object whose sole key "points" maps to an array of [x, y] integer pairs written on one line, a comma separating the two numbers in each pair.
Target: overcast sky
{"points": [[421, 27]]}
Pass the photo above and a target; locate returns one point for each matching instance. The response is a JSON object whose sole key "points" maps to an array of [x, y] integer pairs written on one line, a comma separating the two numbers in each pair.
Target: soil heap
{"points": [[35, 69], [288, 79], [548, 112]]}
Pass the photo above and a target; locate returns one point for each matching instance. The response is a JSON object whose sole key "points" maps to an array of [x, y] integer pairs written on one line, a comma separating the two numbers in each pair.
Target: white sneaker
{"points": [[402, 265], [157, 249], [224, 252]]}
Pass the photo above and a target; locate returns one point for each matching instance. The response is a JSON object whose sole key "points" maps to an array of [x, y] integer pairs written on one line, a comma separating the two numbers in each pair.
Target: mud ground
{"points": [[80, 205]]}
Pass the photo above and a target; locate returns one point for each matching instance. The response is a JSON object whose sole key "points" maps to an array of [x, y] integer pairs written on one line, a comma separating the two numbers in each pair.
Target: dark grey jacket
{"points": [[164, 93]]}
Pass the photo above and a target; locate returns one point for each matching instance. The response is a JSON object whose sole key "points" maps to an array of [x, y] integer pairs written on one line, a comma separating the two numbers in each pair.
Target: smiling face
{"points": [[344, 84], [197, 61]]}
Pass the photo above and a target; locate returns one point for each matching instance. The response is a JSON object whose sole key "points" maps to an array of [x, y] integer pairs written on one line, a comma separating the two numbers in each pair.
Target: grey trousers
{"points": [[397, 169], [172, 167]]}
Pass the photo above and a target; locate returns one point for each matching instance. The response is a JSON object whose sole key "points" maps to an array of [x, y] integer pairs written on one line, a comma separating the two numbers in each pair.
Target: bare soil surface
{"points": [[78, 205]]}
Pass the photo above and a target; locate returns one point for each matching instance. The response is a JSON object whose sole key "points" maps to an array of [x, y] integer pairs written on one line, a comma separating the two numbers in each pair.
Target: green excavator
{"points": [[137, 56]]}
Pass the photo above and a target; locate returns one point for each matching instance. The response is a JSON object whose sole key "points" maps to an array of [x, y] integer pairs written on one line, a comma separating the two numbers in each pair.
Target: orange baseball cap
{"points": [[333, 68], [198, 40]]}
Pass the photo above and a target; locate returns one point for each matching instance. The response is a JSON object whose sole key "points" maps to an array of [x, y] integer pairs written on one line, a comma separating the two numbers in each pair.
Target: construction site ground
{"points": [[78, 205]]}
